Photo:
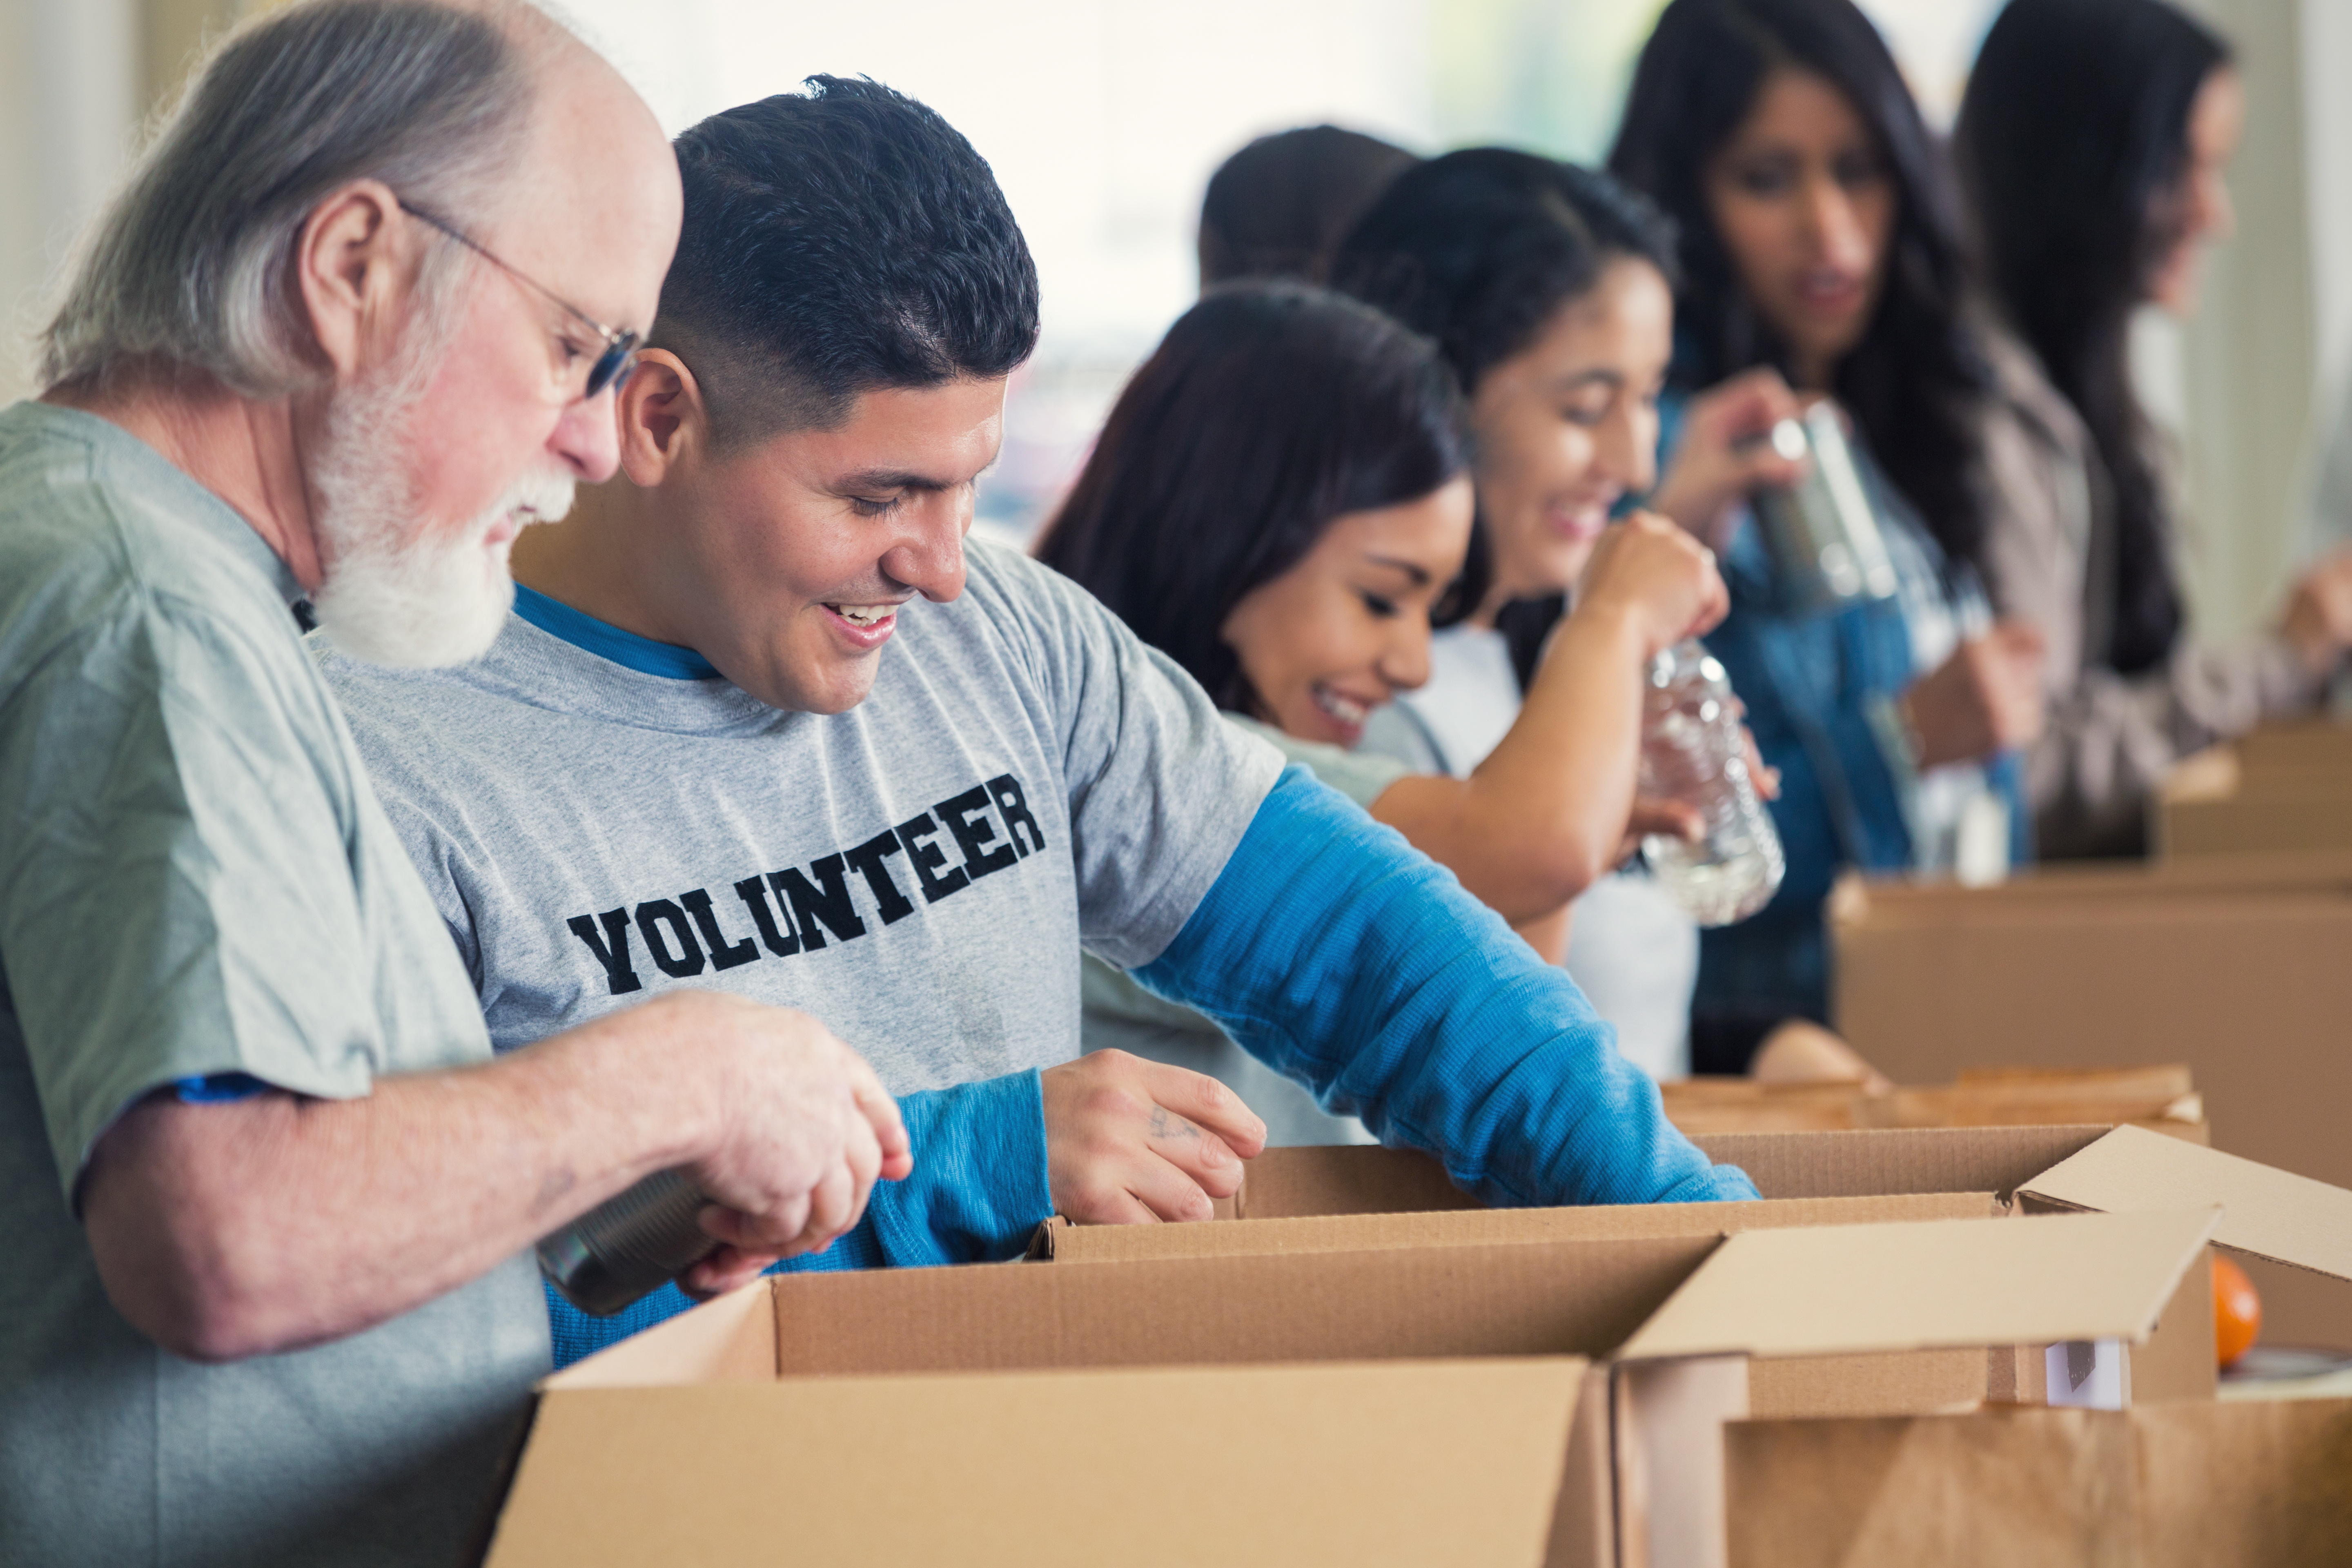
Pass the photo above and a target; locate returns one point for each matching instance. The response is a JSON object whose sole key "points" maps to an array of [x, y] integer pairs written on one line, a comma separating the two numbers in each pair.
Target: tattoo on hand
{"points": [[1166, 1126]]}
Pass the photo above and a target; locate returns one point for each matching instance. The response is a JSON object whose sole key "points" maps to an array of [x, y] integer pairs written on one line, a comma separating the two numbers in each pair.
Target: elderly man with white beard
{"points": [[267, 1294]]}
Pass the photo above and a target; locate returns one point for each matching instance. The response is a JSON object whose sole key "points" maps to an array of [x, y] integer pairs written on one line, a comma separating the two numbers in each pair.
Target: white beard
{"points": [[398, 591]]}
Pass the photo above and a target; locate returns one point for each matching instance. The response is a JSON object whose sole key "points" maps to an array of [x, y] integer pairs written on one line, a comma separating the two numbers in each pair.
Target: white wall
{"points": [[69, 84]]}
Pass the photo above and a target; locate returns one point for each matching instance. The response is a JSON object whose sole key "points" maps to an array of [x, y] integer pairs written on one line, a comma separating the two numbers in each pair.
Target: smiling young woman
{"points": [[1549, 289], [1281, 503]]}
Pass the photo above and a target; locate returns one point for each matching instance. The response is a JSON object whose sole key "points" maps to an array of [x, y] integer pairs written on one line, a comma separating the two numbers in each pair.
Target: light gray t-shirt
{"points": [[1121, 1015], [195, 880], [918, 872]]}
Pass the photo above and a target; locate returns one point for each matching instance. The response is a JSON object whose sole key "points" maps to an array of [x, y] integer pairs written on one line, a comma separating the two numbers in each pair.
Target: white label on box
{"points": [[2090, 1374]]}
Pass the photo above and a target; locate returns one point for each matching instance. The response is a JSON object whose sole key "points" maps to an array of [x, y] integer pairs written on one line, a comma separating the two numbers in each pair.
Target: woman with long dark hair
{"points": [[1821, 248], [1281, 503], [2091, 144], [1550, 290]]}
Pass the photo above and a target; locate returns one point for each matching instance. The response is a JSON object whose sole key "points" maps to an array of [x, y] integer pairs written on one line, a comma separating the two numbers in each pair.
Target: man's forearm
{"points": [[275, 1222]]}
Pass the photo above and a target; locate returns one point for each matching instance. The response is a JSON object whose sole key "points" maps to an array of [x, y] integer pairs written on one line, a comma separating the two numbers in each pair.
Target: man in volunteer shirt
{"points": [[764, 720]]}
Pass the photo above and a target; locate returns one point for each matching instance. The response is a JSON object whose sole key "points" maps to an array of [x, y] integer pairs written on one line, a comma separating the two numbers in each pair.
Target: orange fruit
{"points": [[2237, 1310]]}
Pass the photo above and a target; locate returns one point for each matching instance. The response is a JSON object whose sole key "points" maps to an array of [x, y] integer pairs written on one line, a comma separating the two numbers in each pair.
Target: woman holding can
{"points": [[1821, 252]]}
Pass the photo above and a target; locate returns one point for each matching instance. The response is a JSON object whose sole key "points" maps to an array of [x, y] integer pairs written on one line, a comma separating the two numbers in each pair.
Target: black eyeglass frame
{"points": [[620, 356]]}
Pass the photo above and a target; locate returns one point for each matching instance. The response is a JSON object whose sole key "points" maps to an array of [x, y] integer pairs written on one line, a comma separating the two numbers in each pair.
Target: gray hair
{"points": [[191, 264]]}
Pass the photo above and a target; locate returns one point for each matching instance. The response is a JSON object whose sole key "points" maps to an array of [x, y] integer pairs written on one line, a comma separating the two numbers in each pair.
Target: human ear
{"points": [[356, 269], [663, 421]]}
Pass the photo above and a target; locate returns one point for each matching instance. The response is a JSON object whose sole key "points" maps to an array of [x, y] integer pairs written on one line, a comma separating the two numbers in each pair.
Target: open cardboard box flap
{"points": [[1916, 1287], [1400, 1463], [2267, 1212]]}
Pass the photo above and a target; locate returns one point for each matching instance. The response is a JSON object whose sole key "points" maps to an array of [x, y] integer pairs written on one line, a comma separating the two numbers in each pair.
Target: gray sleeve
{"points": [[1361, 776], [1160, 788], [176, 893]]}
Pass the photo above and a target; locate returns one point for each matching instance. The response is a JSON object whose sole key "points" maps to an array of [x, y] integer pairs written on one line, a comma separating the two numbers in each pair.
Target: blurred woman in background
{"points": [[1550, 290], [2091, 144], [1281, 503], [1820, 251]]}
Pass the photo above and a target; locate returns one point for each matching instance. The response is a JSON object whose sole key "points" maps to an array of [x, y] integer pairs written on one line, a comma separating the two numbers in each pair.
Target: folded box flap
{"points": [[2268, 1212], [731, 1339], [1948, 1283], [1401, 1463]]}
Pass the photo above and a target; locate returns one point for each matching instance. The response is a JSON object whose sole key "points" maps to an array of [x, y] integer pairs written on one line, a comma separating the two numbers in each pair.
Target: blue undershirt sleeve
{"points": [[1343, 957], [978, 1192]]}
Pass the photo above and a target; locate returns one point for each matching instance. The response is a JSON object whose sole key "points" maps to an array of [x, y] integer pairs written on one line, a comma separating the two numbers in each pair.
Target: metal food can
{"points": [[629, 1246], [1823, 532]]}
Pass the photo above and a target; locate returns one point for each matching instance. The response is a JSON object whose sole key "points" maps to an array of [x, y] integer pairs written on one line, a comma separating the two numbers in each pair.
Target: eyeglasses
{"points": [[620, 356]]}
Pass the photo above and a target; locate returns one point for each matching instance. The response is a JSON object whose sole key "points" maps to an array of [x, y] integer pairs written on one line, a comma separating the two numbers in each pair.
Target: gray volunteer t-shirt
{"points": [[196, 880], [918, 872]]}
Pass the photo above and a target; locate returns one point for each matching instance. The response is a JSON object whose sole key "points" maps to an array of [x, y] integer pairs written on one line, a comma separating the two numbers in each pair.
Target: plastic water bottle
{"points": [[1693, 752]]}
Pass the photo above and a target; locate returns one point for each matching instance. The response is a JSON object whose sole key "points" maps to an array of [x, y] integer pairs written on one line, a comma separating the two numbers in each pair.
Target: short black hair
{"points": [[1270, 411], [1479, 249], [836, 242], [1280, 206]]}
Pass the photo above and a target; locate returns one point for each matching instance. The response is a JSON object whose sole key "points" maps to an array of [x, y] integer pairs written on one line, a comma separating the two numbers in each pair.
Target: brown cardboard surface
{"points": [[1897, 1159], [1905, 1287], [2244, 980], [1573, 1297], [2269, 1213], [2274, 821], [1346, 1179], [1350, 1233], [1838, 1385], [1288, 1183], [2315, 743], [2256, 1485], [729, 1339], [2162, 1098], [1400, 1463]]}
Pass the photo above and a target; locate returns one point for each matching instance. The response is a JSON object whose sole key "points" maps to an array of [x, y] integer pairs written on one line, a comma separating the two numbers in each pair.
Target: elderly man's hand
{"points": [[1129, 1141], [805, 1130]]}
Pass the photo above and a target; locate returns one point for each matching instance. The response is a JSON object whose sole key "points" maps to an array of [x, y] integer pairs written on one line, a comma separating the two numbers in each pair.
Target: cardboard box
{"points": [[2254, 1485], [2284, 789], [2310, 743], [763, 1421], [1874, 1384], [1877, 1164], [2237, 968]]}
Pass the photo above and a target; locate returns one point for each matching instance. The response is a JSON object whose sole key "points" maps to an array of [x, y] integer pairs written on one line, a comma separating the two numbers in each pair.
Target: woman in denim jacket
{"points": [[1820, 244]]}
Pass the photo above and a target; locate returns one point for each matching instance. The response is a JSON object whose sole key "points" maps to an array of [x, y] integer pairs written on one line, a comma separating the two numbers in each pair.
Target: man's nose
{"points": [[928, 554], [588, 437]]}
